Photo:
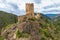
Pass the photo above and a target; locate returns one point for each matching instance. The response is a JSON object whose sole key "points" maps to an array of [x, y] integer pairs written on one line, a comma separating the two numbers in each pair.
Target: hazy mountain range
{"points": [[52, 15]]}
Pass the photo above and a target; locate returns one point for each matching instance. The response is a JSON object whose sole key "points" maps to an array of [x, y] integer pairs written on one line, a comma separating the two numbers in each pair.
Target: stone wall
{"points": [[37, 16], [30, 9], [20, 18]]}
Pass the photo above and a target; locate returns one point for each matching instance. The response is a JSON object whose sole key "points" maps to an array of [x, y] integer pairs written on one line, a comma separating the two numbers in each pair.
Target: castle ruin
{"points": [[30, 9], [29, 13]]}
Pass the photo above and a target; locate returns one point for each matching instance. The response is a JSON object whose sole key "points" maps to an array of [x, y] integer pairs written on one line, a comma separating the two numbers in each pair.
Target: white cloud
{"points": [[47, 3], [18, 6]]}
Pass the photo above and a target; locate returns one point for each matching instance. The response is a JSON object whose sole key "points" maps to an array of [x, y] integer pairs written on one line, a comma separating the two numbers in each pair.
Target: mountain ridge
{"points": [[6, 19]]}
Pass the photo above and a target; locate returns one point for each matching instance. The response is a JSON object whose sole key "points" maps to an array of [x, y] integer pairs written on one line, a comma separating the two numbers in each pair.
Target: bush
{"points": [[46, 32], [43, 38], [6, 27], [26, 35], [32, 19], [19, 34], [1, 38]]}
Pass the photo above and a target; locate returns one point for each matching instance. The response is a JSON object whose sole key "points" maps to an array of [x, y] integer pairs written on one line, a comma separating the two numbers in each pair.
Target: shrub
{"points": [[26, 35], [19, 34], [1, 38], [46, 32], [32, 19], [43, 38]]}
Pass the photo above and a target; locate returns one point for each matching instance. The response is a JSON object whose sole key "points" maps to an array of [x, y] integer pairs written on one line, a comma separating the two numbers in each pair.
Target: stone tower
{"points": [[29, 12], [30, 9]]}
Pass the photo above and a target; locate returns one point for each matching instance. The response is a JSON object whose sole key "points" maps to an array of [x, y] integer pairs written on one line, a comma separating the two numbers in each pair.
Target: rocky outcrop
{"points": [[10, 34], [25, 27]]}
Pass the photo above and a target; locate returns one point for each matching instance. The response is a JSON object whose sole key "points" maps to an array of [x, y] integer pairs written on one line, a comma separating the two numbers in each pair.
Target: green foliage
{"points": [[43, 38], [1, 38], [46, 32], [7, 18], [26, 35], [6, 27], [32, 19], [43, 25], [20, 34]]}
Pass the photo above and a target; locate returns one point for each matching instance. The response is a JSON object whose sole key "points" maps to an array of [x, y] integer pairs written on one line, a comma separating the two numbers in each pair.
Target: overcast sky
{"points": [[18, 6]]}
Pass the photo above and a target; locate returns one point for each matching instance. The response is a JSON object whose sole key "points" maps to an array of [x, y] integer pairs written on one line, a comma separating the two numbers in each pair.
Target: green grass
{"points": [[7, 27], [1, 38], [6, 19], [32, 19], [20, 34]]}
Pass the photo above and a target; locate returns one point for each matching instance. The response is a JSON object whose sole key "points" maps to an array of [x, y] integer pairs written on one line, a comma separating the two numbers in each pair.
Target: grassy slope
{"points": [[6, 19]]}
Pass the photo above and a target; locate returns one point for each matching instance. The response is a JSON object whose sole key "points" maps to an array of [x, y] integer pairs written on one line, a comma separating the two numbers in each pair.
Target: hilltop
{"points": [[7, 19], [32, 29]]}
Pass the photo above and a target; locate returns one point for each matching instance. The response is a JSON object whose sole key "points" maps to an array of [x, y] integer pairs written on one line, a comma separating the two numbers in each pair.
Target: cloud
{"points": [[52, 6], [18, 6], [37, 1]]}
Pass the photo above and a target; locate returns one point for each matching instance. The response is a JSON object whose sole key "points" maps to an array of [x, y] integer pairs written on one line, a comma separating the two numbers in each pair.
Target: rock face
{"points": [[10, 34], [25, 27], [31, 27]]}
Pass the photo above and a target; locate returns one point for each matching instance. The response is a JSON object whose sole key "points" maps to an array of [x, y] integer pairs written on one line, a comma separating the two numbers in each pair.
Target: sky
{"points": [[40, 6]]}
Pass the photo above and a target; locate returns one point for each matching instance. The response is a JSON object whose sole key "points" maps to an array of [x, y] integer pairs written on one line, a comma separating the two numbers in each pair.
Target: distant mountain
{"points": [[6, 19], [52, 15], [57, 20]]}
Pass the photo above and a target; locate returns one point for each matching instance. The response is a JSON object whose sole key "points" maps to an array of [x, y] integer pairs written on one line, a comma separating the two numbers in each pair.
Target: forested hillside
{"points": [[6, 19]]}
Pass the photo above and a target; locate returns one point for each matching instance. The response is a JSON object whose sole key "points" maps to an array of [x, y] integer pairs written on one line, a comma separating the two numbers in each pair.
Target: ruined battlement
{"points": [[20, 18], [29, 12]]}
